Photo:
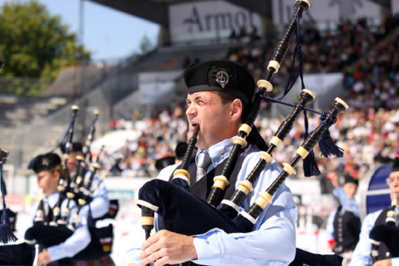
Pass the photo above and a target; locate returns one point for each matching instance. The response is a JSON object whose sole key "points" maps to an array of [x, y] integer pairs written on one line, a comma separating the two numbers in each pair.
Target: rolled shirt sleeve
{"points": [[273, 240]]}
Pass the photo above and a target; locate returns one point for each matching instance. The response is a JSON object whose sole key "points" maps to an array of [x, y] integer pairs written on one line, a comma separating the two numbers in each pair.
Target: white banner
{"points": [[153, 85], [395, 7], [320, 83], [209, 20], [150, 92], [326, 10]]}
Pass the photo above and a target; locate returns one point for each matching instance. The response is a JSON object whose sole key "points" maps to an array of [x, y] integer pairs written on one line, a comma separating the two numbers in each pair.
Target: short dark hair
{"points": [[228, 98]]}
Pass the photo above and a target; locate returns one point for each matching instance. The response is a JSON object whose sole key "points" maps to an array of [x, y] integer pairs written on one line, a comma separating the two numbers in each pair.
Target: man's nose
{"points": [[190, 111]]}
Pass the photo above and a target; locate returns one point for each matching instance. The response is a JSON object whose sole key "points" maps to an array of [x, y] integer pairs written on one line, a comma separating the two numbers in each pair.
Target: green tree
{"points": [[145, 45], [35, 44]]}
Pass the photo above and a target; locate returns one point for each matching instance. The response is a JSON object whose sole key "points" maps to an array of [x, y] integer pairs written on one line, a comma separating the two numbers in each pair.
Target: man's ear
{"points": [[236, 109], [57, 175]]}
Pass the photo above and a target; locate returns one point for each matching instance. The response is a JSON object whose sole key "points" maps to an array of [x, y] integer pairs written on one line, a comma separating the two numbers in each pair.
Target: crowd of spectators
{"points": [[368, 132]]}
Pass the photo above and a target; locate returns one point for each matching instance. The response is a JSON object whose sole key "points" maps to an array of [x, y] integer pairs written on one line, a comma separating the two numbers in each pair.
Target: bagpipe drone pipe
{"points": [[74, 191], [179, 209], [384, 236]]}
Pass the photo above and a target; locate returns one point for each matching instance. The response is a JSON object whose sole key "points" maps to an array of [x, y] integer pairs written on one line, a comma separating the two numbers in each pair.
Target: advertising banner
{"points": [[326, 10], [209, 20]]}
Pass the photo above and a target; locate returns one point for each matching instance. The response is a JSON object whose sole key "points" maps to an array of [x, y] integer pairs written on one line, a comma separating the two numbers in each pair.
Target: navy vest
{"points": [[346, 230], [203, 187], [383, 252]]}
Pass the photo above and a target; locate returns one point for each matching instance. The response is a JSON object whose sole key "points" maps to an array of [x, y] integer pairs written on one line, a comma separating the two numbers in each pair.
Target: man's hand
{"points": [[386, 262], [43, 258], [166, 247]]}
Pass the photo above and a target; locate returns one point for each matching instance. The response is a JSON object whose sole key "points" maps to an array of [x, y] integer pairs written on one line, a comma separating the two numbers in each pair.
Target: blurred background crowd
{"points": [[368, 131]]}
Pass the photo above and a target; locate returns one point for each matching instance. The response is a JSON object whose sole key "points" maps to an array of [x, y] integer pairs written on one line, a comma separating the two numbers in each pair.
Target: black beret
{"points": [[349, 179], [75, 147], [395, 165], [44, 162], [220, 75]]}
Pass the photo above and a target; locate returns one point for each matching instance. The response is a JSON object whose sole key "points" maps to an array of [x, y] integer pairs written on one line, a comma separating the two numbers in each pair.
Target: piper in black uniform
{"points": [[48, 171], [100, 206], [77, 246], [344, 223]]}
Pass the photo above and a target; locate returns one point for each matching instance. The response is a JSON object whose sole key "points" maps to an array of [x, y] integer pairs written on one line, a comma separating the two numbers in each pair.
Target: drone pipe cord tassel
{"points": [[231, 207], [64, 179], [179, 208], [222, 181]]}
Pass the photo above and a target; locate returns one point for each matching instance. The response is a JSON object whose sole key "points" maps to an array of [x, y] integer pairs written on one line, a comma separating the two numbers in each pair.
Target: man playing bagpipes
{"points": [[61, 226], [89, 187], [48, 171], [77, 167], [219, 93], [379, 236]]}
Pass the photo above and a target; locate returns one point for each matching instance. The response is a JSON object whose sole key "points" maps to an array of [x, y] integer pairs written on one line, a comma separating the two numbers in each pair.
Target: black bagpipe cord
{"points": [[326, 145]]}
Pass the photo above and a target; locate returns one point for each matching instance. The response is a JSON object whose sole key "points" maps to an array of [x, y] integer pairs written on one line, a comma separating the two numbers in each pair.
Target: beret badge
{"points": [[45, 162], [222, 78]]}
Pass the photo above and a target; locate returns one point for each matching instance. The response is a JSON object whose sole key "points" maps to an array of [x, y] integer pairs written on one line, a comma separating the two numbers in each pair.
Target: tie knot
{"points": [[204, 160]]}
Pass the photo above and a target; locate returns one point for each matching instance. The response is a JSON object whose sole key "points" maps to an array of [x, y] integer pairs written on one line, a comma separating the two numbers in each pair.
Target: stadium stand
{"points": [[353, 48]]}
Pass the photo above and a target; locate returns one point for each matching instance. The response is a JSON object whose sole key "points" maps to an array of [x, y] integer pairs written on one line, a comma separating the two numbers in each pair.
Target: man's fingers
{"points": [[153, 257], [161, 262], [151, 240]]}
